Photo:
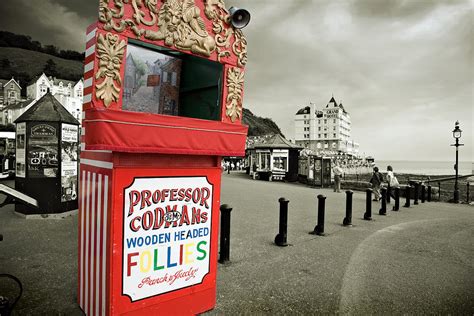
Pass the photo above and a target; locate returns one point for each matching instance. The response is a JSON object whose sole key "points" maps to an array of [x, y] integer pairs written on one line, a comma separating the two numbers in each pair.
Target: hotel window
{"points": [[319, 135], [334, 135], [334, 128], [334, 121], [325, 121], [319, 128], [325, 135]]}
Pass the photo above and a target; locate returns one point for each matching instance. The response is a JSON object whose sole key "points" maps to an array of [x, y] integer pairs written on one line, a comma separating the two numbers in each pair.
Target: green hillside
{"points": [[26, 64], [259, 126]]}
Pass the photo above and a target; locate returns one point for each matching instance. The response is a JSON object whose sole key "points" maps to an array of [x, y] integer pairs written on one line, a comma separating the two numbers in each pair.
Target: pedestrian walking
{"points": [[337, 177], [376, 181], [392, 181]]}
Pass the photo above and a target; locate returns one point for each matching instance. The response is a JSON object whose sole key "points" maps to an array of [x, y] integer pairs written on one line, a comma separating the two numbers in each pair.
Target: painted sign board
{"points": [[167, 230]]}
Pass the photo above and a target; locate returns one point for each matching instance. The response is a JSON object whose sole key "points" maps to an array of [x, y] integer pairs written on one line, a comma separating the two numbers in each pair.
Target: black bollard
{"points": [[428, 196], [383, 209], [280, 239], [368, 205], [468, 193], [388, 193], [396, 207], [439, 191], [319, 229], [348, 219], [417, 186], [224, 252], [423, 193], [407, 195]]}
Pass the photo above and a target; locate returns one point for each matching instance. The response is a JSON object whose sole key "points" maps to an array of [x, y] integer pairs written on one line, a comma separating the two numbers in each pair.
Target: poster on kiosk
{"points": [[163, 89]]}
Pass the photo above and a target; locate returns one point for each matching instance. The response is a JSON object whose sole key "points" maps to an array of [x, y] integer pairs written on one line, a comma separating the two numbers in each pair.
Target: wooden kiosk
{"points": [[162, 104]]}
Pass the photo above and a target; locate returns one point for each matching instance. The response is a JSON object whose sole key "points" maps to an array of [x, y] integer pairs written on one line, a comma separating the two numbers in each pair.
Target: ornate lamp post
{"points": [[456, 134]]}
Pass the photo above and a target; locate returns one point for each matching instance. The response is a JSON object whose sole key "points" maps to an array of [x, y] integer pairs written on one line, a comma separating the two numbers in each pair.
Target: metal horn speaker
{"points": [[239, 18]]}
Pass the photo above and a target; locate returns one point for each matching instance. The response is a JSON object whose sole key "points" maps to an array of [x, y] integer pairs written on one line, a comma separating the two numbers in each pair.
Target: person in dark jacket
{"points": [[376, 182]]}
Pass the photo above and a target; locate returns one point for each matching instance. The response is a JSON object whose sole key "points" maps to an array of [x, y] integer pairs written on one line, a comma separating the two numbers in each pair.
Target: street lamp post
{"points": [[456, 134]]}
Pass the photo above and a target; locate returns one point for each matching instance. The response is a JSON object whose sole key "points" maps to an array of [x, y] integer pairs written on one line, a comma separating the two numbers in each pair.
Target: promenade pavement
{"points": [[416, 261]]}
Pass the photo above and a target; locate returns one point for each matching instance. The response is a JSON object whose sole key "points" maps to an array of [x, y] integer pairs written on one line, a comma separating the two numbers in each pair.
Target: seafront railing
{"points": [[445, 187], [442, 188]]}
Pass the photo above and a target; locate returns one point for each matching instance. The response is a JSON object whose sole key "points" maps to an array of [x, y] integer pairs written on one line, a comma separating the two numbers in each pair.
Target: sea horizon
{"points": [[424, 167]]}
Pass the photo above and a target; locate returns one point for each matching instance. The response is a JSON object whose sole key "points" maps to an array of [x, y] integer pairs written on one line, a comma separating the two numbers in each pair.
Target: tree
{"points": [[50, 68], [51, 50]]}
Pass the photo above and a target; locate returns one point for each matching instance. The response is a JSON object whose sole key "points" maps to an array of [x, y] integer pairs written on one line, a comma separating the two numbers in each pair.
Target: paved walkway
{"points": [[416, 261]]}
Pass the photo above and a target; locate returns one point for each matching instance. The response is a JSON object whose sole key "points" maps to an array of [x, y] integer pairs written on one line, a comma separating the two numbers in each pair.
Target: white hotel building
{"points": [[326, 130]]}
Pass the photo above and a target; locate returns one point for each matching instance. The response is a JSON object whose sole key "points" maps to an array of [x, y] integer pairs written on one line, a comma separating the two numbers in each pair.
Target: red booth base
{"points": [[157, 228]]}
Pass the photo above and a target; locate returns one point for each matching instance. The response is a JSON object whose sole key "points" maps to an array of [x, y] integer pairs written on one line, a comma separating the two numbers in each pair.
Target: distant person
{"points": [[392, 181], [376, 181], [337, 178]]}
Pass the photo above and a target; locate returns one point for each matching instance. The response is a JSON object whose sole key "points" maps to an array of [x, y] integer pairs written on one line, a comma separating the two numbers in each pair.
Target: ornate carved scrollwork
{"points": [[110, 51], [216, 12], [179, 24], [235, 82]]}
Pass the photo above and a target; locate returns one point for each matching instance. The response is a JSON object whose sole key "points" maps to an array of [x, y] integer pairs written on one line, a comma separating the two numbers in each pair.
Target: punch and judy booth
{"points": [[162, 105], [47, 149]]}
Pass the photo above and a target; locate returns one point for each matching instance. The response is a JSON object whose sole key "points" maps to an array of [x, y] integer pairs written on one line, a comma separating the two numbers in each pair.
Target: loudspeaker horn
{"points": [[239, 18]]}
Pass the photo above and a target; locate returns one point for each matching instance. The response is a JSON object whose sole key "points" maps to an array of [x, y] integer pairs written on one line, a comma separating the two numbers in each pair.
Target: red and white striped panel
{"points": [[91, 39], [93, 226], [95, 176], [96, 158]]}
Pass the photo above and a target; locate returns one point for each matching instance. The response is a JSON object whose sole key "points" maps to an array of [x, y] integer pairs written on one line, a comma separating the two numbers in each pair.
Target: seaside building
{"points": [[68, 93], [10, 92], [325, 130], [10, 113]]}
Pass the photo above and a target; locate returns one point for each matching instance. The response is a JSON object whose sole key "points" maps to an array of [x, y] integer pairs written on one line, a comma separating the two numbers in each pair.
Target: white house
{"points": [[68, 93], [10, 113]]}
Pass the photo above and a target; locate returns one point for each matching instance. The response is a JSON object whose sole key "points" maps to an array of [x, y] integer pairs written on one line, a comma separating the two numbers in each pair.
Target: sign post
{"points": [[162, 106]]}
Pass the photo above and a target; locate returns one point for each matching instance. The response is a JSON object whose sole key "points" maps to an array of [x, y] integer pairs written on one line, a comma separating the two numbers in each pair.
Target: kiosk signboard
{"points": [[20, 150], [43, 151], [69, 155]]}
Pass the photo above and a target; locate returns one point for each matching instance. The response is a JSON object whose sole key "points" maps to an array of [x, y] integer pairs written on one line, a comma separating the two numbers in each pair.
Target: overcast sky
{"points": [[403, 69]]}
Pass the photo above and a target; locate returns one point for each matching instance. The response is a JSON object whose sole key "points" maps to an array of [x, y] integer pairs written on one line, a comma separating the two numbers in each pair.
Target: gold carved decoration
{"points": [[179, 24], [235, 82], [216, 12], [110, 51]]}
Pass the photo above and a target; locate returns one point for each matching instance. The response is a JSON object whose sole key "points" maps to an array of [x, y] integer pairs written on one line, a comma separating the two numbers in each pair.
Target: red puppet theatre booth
{"points": [[162, 104]]}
